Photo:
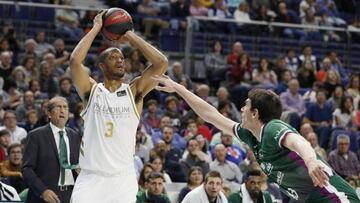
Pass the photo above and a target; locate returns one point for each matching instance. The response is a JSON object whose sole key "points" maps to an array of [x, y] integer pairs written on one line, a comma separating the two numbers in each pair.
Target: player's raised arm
{"points": [[201, 107], [80, 77], [158, 60], [316, 168]]}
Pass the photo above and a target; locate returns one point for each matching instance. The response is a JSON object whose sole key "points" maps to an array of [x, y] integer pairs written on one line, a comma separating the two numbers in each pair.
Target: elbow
{"points": [[74, 61], [164, 63]]}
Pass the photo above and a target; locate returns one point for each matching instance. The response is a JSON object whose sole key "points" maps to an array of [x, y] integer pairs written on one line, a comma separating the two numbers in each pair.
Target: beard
{"points": [[115, 76], [255, 194]]}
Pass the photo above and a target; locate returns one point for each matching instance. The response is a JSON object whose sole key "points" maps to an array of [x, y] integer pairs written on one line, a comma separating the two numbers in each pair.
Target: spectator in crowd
{"points": [[337, 65], [328, 35], [57, 70], [329, 8], [264, 75], [336, 97], [171, 110], [87, 21], [215, 64], [179, 76], [5, 141], [11, 168], [287, 16], [32, 120], [18, 75], [67, 22], [241, 70], [170, 158], [47, 83], [237, 50], [141, 150], [152, 116], [331, 81], [310, 95], [11, 96], [42, 46], [344, 161], [157, 164], [250, 190], [9, 34], [306, 75], [321, 74], [283, 83], [10, 124], [27, 104], [222, 95], [51, 177], [68, 91], [292, 61], [150, 13], [293, 105], [179, 10], [305, 128], [30, 47], [144, 174], [197, 9], [242, 13], [195, 157], [344, 115], [305, 6], [209, 191], [279, 66], [60, 52], [31, 70], [313, 139], [229, 171], [309, 19], [220, 138], [319, 115], [167, 134], [353, 88], [307, 55], [195, 179], [154, 193], [133, 64], [6, 66], [34, 86]]}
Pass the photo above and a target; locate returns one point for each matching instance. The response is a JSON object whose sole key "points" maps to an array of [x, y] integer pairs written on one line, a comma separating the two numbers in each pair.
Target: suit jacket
{"points": [[41, 166]]}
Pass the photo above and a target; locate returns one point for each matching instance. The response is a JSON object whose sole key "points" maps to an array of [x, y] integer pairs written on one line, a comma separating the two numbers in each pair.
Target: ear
{"points": [[101, 66], [255, 113]]}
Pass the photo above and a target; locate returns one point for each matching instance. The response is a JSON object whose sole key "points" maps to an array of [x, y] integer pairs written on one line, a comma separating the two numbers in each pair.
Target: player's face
{"points": [[156, 186], [196, 177], [213, 186], [247, 115], [253, 185], [115, 65]]}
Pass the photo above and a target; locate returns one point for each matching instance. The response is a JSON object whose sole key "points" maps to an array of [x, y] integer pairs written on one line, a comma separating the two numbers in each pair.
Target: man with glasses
{"points": [[51, 155]]}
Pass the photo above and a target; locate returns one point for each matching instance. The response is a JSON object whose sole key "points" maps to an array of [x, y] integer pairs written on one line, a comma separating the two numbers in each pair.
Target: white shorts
{"points": [[95, 188]]}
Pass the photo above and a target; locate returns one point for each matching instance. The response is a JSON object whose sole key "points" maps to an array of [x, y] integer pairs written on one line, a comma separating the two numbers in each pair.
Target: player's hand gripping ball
{"points": [[116, 22]]}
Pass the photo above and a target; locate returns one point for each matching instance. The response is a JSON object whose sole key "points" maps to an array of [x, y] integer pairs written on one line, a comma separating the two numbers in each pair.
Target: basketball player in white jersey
{"points": [[111, 117]]}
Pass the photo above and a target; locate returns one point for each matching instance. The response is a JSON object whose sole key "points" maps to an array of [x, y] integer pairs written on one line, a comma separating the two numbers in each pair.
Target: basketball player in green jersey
{"points": [[283, 154]]}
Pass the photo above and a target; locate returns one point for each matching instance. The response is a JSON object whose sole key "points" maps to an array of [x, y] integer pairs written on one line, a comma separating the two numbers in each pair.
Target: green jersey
{"points": [[288, 169]]}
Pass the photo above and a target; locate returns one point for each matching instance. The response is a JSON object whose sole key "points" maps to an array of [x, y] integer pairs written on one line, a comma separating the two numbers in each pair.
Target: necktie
{"points": [[64, 164]]}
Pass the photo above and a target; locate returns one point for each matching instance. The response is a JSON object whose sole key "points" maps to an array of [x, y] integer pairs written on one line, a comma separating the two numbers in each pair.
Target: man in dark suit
{"points": [[51, 155]]}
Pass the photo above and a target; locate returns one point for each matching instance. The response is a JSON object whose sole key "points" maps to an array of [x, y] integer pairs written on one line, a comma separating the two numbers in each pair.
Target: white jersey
{"points": [[110, 122]]}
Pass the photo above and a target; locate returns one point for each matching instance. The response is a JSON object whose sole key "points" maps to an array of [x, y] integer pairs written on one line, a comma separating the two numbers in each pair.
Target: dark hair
{"points": [[142, 173], [103, 56], [267, 103], [155, 175], [188, 142], [342, 104], [259, 68], [192, 169], [12, 146], [251, 173], [212, 174], [9, 112], [321, 90], [4, 132], [62, 79], [51, 104]]}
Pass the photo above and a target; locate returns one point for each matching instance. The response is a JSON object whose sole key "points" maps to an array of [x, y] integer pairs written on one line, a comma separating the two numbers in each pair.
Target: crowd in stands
{"points": [[320, 98]]}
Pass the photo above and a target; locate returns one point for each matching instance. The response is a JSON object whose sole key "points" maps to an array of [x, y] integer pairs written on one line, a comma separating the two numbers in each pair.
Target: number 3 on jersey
{"points": [[109, 129]]}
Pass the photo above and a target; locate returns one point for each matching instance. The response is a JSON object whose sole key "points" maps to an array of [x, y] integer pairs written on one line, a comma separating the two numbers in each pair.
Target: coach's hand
{"points": [[50, 196], [317, 173]]}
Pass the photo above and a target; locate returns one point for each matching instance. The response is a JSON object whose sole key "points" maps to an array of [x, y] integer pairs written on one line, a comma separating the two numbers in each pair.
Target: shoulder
{"points": [[39, 131], [332, 154], [234, 196]]}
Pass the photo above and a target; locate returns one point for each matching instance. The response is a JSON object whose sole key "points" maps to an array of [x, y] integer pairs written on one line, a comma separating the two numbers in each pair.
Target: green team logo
{"points": [[266, 167]]}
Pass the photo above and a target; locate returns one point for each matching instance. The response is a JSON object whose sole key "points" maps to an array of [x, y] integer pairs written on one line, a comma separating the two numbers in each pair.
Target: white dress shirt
{"points": [[69, 179]]}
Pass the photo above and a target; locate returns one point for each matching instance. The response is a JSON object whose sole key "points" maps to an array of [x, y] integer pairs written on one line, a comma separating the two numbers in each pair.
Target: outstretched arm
{"points": [[159, 64], [80, 77], [201, 108], [316, 168]]}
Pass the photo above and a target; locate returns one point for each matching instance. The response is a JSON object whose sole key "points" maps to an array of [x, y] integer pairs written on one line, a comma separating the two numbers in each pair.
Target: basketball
{"points": [[116, 22]]}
